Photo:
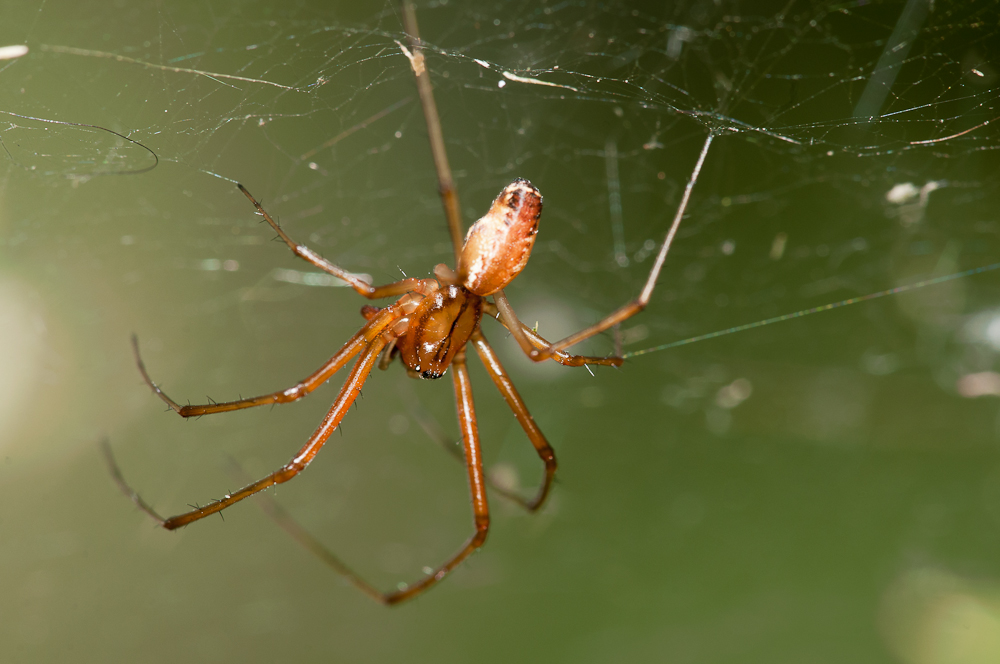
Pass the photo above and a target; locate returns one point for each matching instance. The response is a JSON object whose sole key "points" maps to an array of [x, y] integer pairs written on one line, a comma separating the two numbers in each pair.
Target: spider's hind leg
{"points": [[434, 431], [524, 418], [530, 341]]}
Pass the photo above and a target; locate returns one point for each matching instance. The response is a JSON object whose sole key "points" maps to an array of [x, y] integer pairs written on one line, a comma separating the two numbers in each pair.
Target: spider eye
{"points": [[497, 246]]}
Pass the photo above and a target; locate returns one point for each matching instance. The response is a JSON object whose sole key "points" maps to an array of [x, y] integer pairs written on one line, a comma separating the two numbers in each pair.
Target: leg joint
{"points": [[482, 529], [479, 538]]}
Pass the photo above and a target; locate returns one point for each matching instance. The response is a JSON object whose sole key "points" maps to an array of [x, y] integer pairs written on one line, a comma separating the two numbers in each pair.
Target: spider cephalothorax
{"points": [[437, 325]]}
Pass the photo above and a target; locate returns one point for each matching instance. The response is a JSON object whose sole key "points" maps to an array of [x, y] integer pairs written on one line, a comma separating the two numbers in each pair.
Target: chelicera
{"points": [[429, 328]]}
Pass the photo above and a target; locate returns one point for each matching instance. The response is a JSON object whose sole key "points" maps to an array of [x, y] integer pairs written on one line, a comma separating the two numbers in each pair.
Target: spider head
{"points": [[497, 246]]}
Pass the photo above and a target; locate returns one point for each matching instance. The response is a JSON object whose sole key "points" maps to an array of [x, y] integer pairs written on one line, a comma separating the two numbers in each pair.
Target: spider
{"points": [[428, 328]]}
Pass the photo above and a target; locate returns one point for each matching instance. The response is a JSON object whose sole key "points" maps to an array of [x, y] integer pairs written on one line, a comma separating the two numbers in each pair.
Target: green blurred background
{"points": [[826, 489]]}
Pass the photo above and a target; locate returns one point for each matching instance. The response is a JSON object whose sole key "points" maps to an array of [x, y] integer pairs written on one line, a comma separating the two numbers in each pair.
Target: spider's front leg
{"points": [[298, 463], [294, 393], [354, 281], [374, 336]]}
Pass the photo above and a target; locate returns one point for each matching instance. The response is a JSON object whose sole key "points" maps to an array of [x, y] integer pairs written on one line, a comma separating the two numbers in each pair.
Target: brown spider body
{"points": [[442, 315], [437, 329], [437, 322], [428, 327]]}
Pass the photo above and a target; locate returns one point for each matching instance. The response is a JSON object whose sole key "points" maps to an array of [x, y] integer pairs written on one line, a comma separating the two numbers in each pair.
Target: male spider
{"points": [[428, 328]]}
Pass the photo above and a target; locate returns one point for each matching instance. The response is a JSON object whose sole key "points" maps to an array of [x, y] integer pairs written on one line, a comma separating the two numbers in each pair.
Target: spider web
{"points": [[856, 152], [882, 113]]}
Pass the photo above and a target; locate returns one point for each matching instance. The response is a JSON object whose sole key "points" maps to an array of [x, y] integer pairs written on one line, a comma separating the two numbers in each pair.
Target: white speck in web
{"points": [[778, 246], [985, 383], [902, 193], [16, 51], [501, 84], [732, 395], [993, 332], [535, 81]]}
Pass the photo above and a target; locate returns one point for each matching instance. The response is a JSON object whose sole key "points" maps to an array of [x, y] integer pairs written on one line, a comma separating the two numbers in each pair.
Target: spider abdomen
{"points": [[497, 246], [439, 328]]}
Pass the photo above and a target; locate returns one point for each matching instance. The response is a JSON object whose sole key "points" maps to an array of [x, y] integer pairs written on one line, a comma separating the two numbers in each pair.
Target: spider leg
{"points": [[434, 431], [477, 483], [446, 183], [536, 341], [373, 335], [524, 418], [297, 391], [635, 306], [354, 281], [116, 475], [298, 463], [470, 439], [287, 523]]}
